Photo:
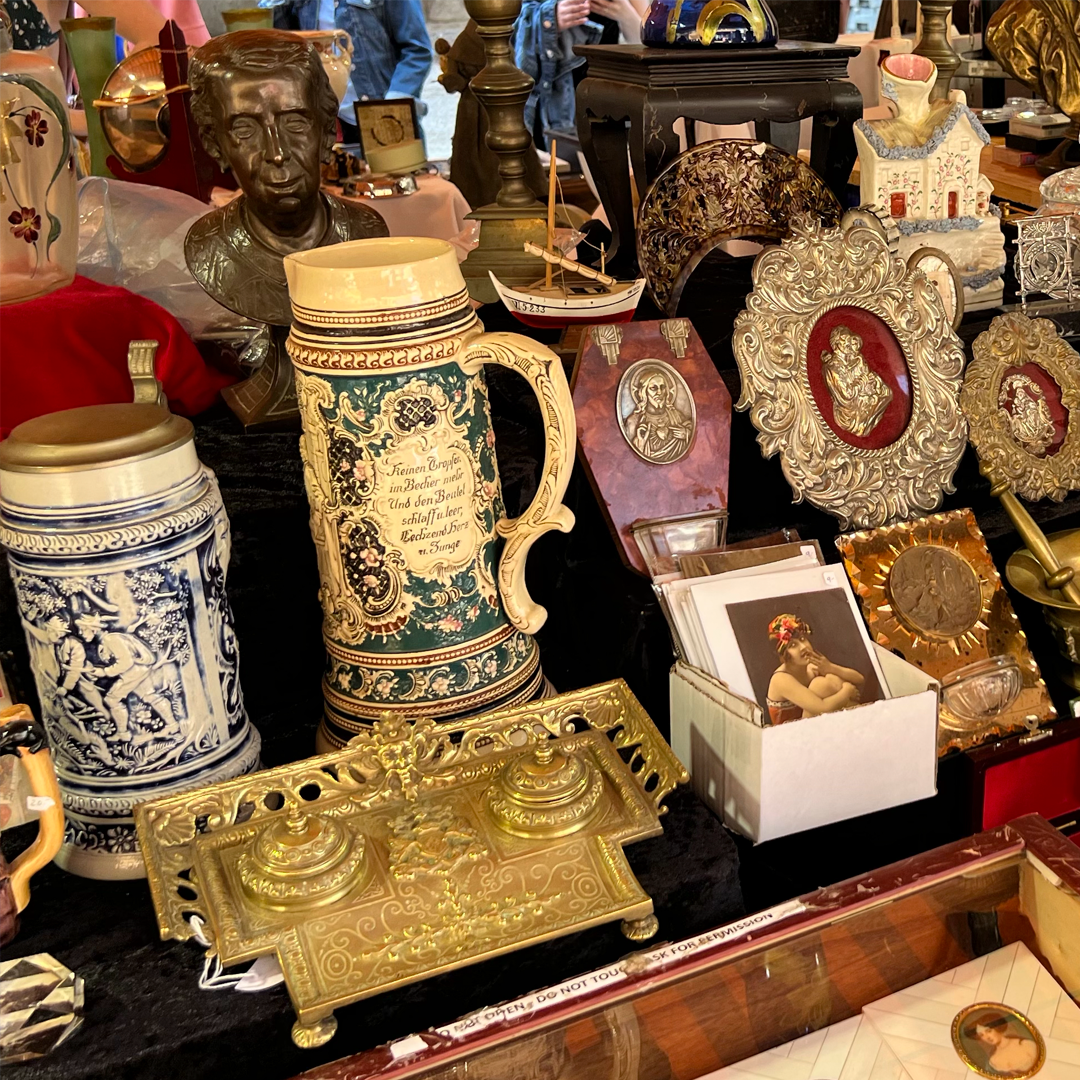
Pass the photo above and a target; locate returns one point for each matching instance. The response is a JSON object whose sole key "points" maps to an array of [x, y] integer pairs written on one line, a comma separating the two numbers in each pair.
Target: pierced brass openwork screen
{"points": [[419, 848]]}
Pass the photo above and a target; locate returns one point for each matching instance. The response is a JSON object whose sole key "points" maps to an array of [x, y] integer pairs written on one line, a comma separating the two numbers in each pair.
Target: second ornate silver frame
{"points": [[815, 270]]}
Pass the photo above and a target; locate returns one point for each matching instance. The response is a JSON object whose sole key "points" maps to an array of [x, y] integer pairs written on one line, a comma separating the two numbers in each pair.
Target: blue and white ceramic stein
{"points": [[119, 543]]}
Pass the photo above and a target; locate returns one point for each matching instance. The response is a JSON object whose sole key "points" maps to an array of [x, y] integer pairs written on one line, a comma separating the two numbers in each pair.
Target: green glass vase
{"points": [[92, 45]]}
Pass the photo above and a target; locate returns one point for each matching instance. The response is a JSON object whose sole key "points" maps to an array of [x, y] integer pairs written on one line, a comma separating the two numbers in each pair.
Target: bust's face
{"points": [[271, 132]]}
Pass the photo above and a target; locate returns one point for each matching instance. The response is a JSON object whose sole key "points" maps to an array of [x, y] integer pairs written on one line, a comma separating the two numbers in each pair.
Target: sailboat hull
{"points": [[544, 311]]}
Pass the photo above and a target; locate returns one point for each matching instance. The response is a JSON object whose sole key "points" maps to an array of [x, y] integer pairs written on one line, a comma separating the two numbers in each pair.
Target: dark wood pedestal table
{"points": [[633, 94]]}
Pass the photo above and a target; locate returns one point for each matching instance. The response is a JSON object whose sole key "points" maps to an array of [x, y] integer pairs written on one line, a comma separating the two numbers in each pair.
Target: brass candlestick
{"points": [[934, 44], [516, 215]]}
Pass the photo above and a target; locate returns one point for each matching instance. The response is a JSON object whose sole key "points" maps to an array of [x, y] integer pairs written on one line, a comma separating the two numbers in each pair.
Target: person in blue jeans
{"points": [[545, 34], [392, 51]]}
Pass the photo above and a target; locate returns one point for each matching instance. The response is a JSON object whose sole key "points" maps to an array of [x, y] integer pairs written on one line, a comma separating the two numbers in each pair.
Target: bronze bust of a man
{"points": [[265, 110]]}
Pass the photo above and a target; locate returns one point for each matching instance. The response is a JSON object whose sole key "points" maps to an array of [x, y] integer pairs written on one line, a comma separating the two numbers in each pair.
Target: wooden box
{"points": [[680, 1010]]}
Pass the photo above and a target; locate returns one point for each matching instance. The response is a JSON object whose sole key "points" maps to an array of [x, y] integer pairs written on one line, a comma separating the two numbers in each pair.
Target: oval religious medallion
{"points": [[935, 592], [656, 412]]}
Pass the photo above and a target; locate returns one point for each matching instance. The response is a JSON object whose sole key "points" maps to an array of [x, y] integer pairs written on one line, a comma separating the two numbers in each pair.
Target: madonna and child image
{"points": [[805, 654], [996, 1042]]}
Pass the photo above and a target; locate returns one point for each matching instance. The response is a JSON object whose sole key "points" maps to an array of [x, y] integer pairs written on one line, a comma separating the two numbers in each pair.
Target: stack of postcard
{"points": [[1002, 1016], [787, 634]]}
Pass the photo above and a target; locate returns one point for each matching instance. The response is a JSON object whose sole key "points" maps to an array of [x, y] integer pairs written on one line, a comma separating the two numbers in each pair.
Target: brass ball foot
{"points": [[308, 1036], [640, 929]]}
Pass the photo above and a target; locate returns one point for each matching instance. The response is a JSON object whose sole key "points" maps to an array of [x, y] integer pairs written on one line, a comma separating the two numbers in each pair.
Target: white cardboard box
{"points": [[766, 782]]}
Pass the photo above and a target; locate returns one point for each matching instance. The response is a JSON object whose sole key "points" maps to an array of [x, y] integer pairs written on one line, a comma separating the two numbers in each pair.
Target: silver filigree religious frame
{"points": [[1047, 248], [797, 284]]}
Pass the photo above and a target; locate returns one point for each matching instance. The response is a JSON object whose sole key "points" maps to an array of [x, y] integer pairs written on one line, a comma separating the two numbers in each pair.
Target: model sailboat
{"points": [[584, 296]]}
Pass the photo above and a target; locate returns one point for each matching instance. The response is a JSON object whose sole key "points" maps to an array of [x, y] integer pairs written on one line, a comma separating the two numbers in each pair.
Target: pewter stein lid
{"points": [[92, 437], [95, 436]]}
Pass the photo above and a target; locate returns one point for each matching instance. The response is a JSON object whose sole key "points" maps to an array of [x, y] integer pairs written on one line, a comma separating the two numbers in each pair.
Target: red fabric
{"points": [[1045, 782], [69, 348]]}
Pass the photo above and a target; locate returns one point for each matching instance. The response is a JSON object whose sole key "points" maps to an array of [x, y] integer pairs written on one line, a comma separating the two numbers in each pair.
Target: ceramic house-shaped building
{"points": [[922, 167]]}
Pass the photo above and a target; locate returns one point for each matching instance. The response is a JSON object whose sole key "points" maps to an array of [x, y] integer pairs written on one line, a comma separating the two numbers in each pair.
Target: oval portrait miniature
{"points": [[998, 1042], [656, 412]]}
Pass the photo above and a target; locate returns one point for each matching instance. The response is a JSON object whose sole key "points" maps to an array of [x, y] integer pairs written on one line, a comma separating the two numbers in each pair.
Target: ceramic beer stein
{"points": [[422, 577], [119, 544]]}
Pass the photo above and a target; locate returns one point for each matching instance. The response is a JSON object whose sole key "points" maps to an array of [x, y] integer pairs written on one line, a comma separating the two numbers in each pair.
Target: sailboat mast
{"points": [[551, 215]]}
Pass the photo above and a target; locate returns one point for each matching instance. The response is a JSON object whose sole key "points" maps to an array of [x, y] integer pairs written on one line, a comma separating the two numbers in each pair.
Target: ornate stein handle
{"points": [[21, 734], [544, 371]]}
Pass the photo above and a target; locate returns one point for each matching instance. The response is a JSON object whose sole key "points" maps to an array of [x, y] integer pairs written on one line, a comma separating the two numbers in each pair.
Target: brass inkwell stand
{"points": [[419, 848]]}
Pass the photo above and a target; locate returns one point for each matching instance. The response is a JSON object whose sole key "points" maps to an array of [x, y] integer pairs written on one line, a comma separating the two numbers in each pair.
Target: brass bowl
{"points": [[1026, 576]]}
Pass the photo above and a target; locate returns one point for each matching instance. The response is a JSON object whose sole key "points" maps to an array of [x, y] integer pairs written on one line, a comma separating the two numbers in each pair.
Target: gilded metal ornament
{"points": [[871, 216], [419, 848], [929, 591], [851, 372], [718, 191], [942, 273], [609, 337], [677, 333], [1047, 249], [859, 394], [657, 415], [1020, 394], [1027, 572]]}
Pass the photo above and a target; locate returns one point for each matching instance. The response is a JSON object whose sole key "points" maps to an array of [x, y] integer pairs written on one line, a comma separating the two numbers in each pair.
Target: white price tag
{"points": [[39, 802], [404, 1047]]}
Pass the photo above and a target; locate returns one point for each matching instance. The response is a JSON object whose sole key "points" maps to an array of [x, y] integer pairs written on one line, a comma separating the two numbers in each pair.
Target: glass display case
{"points": [[685, 1009]]}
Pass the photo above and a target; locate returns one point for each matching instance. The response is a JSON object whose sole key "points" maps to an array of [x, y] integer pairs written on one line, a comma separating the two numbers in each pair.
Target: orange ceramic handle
{"points": [[50, 835]]}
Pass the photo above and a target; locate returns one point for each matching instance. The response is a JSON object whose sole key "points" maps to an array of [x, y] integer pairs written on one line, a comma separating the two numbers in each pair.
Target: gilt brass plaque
{"points": [[930, 592], [418, 848]]}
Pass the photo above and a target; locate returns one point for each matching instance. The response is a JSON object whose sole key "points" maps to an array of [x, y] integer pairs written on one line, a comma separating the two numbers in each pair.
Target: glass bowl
{"points": [[976, 694]]}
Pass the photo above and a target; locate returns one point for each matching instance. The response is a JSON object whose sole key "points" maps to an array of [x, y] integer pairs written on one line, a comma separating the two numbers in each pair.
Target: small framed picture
{"points": [[998, 1042], [792, 641], [385, 122]]}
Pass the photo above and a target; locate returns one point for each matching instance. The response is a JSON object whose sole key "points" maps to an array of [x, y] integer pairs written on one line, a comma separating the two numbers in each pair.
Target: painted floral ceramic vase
{"points": [[118, 545], [38, 210], [714, 23], [422, 577]]}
